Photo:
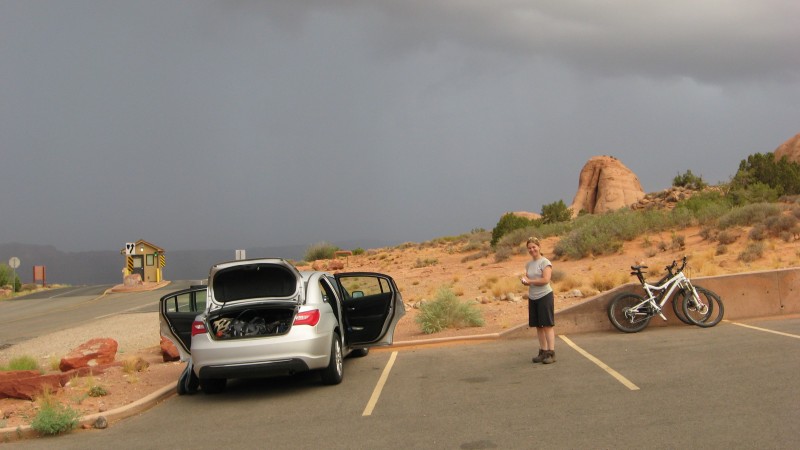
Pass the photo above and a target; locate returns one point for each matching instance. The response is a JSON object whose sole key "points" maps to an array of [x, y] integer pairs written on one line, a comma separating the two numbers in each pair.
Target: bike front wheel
{"points": [[628, 313], [706, 310]]}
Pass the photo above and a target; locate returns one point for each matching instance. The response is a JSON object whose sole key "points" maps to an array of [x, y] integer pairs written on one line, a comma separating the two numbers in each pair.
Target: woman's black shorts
{"points": [[541, 312]]}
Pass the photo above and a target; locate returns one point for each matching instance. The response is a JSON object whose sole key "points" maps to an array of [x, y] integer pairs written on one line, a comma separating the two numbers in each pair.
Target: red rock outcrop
{"points": [[790, 149], [605, 184], [168, 350], [91, 353]]}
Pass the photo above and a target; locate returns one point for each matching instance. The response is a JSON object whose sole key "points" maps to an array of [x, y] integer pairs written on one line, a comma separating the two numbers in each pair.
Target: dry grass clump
{"points": [[608, 280]]}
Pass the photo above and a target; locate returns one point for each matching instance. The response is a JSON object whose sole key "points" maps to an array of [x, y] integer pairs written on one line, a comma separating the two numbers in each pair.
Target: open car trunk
{"points": [[252, 321]]}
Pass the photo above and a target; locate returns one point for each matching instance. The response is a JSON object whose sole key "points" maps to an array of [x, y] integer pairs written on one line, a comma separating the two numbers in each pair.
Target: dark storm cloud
{"points": [[249, 123]]}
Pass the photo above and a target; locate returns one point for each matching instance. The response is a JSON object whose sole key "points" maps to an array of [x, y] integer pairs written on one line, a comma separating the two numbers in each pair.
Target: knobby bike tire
{"points": [[714, 312], [677, 307], [625, 320]]}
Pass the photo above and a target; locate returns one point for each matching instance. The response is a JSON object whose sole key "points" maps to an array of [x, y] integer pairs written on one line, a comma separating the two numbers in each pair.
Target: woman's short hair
{"points": [[533, 240]]}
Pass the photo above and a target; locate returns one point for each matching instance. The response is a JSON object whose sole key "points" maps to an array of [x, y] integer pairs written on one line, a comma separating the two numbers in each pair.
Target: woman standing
{"points": [[540, 301]]}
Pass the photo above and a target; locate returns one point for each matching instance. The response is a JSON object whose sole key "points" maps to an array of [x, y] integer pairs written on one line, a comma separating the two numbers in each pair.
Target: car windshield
{"points": [[253, 281]]}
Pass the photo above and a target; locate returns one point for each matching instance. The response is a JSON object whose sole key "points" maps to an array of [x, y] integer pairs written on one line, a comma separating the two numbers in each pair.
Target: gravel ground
{"points": [[131, 331]]}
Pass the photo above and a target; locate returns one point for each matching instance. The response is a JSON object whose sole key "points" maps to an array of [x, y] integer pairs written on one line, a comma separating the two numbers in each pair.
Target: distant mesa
{"points": [[790, 149], [605, 184]]}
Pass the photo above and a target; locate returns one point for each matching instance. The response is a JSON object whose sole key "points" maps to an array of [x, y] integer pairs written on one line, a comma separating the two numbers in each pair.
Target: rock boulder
{"points": [[605, 184], [91, 353], [790, 149]]}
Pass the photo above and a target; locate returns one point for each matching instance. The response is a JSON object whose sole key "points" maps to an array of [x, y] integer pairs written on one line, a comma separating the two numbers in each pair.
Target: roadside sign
{"points": [[130, 248], [13, 262]]}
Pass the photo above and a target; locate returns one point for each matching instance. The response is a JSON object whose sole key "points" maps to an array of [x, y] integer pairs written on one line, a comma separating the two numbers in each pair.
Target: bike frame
{"points": [[665, 291]]}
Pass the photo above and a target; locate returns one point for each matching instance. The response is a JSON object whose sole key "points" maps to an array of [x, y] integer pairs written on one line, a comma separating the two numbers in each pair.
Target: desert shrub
{"points": [[475, 256], [721, 249], [752, 252], [689, 180], [758, 232], [503, 254], [775, 225], [6, 275], [708, 233], [727, 237], [678, 241], [358, 251], [748, 215], [54, 418], [556, 212], [706, 207], [97, 391], [507, 223], [756, 193], [320, 250], [446, 311], [426, 262]]}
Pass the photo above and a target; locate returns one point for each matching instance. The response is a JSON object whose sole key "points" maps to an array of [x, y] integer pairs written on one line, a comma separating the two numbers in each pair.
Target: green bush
{"points": [[97, 391], [320, 250], [510, 222], [783, 176], [6, 275], [55, 419], [754, 193], [556, 212], [706, 207], [689, 180], [446, 311], [22, 363], [358, 251], [748, 215]]}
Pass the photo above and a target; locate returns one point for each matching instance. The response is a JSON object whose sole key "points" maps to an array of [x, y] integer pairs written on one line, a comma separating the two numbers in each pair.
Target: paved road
{"points": [[675, 387], [48, 311]]}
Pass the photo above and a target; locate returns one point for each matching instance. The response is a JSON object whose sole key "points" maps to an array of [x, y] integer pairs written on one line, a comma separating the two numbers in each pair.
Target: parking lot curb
{"points": [[116, 414]]}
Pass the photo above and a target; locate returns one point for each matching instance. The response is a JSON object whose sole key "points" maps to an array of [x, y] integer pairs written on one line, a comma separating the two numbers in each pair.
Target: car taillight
{"points": [[198, 327], [307, 317]]}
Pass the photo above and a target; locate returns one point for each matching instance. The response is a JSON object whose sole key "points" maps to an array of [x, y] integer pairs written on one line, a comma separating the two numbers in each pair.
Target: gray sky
{"points": [[237, 124]]}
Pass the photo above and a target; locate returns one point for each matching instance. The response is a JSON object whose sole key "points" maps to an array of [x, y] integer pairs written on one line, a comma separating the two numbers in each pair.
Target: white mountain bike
{"points": [[630, 312]]}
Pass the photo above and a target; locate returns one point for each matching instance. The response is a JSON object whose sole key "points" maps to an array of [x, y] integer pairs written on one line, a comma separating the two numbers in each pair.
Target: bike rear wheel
{"points": [[628, 313], [705, 311]]}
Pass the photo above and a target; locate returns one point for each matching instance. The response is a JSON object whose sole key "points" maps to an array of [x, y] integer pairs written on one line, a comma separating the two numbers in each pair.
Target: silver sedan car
{"points": [[263, 317]]}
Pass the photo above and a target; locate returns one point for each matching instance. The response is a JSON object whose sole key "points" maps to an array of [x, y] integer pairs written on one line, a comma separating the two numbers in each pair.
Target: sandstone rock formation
{"points": [[91, 353], [605, 184], [790, 149], [527, 215]]}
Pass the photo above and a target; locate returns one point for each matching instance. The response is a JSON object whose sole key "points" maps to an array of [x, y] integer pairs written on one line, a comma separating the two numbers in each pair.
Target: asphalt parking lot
{"points": [[731, 386]]}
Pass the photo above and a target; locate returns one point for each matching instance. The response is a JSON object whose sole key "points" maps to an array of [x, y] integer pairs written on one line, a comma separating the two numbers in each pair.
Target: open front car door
{"points": [[372, 307]]}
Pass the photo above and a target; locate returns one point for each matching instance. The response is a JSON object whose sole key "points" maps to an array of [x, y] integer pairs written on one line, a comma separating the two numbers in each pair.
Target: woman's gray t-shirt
{"points": [[534, 270]]}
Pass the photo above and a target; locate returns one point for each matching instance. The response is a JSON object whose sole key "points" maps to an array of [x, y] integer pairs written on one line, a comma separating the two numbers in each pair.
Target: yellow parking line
{"points": [[765, 330], [627, 383], [376, 393]]}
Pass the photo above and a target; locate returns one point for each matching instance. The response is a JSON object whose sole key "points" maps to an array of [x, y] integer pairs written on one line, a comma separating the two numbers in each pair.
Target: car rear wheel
{"points": [[213, 385], [335, 371]]}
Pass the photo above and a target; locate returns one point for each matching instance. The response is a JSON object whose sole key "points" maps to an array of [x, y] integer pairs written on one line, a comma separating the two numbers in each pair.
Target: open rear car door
{"points": [[177, 311], [372, 307]]}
